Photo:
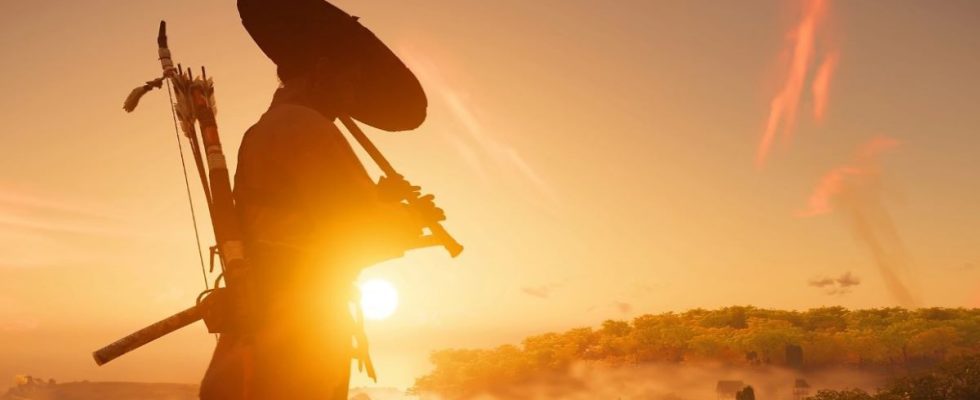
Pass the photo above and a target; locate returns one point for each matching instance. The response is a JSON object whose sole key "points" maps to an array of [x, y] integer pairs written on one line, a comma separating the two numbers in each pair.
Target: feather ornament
{"points": [[134, 97]]}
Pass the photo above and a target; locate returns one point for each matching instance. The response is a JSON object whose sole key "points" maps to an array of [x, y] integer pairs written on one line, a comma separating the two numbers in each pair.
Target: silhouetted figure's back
{"points": [[311, 214]]}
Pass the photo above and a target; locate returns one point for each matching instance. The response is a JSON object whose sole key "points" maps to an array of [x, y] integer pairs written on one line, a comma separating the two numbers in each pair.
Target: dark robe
{"points": [[312, 219]]}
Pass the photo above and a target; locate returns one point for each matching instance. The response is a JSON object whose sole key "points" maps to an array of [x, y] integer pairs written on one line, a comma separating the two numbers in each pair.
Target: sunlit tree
{"points": [[891, 338]]}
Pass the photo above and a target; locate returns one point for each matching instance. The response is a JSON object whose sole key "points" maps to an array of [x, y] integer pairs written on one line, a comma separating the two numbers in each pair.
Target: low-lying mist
{"points": [[675, 382]]}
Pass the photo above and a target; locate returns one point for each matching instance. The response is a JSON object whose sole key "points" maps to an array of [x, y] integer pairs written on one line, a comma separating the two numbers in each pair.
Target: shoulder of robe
{"points": [[290, 124]]}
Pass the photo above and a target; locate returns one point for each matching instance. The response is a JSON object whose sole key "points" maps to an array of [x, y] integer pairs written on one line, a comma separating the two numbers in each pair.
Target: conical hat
{"points": [[295, 34]]}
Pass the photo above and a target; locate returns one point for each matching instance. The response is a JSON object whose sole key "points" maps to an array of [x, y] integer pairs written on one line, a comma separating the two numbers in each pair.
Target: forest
{"points": [[894, 340], [954, 379]]}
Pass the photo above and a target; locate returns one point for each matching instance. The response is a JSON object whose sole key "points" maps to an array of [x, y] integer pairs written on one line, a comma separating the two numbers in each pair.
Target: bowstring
{"points": [[187, 185]]}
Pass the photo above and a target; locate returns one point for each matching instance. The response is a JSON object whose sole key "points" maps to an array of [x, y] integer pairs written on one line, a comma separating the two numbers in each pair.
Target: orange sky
{"points": [[589, 156]]}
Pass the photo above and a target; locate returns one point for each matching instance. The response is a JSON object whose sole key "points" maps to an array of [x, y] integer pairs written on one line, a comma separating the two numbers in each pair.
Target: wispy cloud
{"points": [[39, 231], [821, 282], [20, 211], [821, 85], [848, 280], [802, 48], [860, 174], [482, 151], [542, 291], [840, 285], [854, 189]]}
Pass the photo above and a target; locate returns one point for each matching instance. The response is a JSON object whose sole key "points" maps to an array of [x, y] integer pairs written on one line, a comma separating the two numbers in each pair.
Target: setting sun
{"points": [[379, 299]]}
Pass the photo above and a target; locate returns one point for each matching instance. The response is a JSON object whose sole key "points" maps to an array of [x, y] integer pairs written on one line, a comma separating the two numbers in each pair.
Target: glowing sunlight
{"points": [[379, 299]]}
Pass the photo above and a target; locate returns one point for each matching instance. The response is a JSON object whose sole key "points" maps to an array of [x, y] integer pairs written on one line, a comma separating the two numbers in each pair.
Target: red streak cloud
{"points": [[821, 85], [785, 104], [860, 171], [854, 190]]}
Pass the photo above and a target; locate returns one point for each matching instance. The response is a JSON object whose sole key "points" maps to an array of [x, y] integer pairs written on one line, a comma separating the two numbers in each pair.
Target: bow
{"points": [[193, 105]]}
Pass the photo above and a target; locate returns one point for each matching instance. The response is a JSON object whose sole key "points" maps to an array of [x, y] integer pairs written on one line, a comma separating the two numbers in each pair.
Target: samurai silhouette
{"points": [[311, 215]]}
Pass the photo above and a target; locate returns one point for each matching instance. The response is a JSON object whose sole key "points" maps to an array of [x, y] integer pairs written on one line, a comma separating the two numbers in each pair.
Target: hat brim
{"points": [[296, 33]]}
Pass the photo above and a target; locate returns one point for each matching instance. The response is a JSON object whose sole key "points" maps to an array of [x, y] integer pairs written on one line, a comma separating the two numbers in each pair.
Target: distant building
{"points": [[801, 389], [727, 390]]}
